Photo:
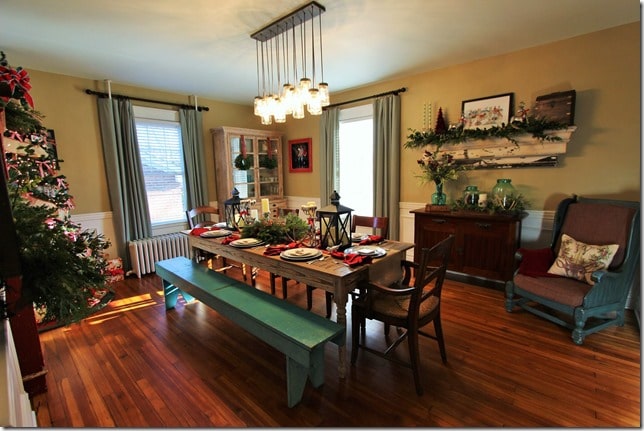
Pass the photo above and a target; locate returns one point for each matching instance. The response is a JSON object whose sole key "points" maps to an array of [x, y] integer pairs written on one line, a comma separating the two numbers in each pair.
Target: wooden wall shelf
{"points": [[527, 150]]}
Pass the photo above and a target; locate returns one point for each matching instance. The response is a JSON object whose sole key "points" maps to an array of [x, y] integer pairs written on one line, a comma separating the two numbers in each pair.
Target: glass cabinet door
{"points": [[243, 167], [267, 150]]}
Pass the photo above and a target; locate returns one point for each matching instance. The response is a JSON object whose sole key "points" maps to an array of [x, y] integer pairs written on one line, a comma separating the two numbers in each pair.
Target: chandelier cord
{"points": [[321, 55]]}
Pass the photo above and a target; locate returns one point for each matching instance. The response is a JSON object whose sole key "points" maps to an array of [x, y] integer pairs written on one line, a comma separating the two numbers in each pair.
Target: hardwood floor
{"points": [[134, 365]]}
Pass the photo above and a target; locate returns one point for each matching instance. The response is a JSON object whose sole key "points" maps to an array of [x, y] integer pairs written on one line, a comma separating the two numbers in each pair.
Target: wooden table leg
{"points": [[340, 298]]}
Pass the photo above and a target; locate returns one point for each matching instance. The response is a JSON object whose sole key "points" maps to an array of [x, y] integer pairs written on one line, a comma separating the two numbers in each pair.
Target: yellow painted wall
{"points": [[73, 115], [603, 158]]}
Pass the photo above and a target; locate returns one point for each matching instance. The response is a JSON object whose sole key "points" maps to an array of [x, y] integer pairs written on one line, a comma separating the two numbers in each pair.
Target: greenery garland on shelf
{"points": [[536, 126], [518, 205]]}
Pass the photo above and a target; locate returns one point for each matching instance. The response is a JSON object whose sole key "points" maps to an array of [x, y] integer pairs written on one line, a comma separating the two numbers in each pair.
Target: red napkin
{"points": [[274, 250], [337, 255], [351, 259], [199, 230], [230, 238], [354, 259], [371, 239]]}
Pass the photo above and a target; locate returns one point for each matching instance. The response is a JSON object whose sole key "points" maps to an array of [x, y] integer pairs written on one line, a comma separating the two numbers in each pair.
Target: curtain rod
{"points": [[394, 92], [181, 105]]}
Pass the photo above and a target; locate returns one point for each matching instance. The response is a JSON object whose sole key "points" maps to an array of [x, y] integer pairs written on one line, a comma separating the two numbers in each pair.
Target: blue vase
{"points": [[439, 198]]}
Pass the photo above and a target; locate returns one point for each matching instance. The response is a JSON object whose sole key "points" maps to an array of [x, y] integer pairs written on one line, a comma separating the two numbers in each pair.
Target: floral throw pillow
{"points": [[578, 260]]}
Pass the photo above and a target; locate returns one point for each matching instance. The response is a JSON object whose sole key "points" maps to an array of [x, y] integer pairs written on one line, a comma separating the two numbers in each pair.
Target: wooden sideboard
{"points": [[484, 244]]}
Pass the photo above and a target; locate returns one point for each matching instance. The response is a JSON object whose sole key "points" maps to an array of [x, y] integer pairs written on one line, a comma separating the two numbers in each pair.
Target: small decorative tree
{"points": [[62, 265]]}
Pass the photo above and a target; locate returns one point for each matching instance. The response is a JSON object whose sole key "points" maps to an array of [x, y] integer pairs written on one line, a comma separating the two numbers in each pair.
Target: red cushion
{"points": [[536, 263]]}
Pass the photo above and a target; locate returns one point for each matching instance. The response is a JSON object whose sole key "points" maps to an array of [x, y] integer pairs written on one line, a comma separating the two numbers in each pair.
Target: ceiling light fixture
{"points": [[283, 54]]}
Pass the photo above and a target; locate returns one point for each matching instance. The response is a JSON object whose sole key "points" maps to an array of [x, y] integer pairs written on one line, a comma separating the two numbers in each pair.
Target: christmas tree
{"points": [[441, 127], [62, 265]]}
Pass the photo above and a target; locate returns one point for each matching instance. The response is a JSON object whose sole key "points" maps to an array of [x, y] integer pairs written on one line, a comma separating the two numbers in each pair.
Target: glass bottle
{"points": [[503, 193], [471, 195]]}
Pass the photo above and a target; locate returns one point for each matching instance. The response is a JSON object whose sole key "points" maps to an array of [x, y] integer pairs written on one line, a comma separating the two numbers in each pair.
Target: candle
{"points": [[265, 206], [482, 199], [254, 214]]}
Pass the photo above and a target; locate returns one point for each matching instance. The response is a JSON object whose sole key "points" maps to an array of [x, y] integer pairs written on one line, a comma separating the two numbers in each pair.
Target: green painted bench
{"points": [[298, 333]]}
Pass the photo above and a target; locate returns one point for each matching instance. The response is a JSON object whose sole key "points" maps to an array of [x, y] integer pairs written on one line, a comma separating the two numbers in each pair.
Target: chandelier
{"points": [[286, 55]]}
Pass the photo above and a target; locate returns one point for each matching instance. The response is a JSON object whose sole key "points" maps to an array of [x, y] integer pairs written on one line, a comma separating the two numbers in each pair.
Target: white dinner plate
{"points": [[367, 250], [217, 233], [246, 242], [303, 253], [357, 237]]}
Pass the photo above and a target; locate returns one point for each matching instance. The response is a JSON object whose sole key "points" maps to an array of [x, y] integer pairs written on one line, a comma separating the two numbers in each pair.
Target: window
{"points": [[354, 176], [159, 135]]}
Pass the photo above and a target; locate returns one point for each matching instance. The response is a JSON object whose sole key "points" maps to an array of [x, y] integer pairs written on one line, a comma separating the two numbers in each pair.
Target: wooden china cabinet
{"points": [[484, 244], [258, 175]]}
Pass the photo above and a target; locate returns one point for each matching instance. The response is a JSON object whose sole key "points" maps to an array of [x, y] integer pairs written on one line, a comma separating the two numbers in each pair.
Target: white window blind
{"points": [[159, 135], [354, 181]]}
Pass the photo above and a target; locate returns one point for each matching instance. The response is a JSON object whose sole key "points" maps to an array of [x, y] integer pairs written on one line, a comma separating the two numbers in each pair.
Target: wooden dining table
{"points": [[330, 274]]}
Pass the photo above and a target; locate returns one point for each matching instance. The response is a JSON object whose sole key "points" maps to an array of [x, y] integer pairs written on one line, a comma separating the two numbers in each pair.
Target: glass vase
{"points": [[471, 195], [439, 198], [503, 193]]}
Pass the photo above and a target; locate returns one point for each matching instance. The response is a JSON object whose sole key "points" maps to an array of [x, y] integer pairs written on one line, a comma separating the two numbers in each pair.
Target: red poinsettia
{"points": [[14, 83]]}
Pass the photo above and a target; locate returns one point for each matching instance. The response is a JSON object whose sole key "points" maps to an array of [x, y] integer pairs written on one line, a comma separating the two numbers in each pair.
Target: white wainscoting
{"points": [[536, 228], [15, 407], [102, 223]]}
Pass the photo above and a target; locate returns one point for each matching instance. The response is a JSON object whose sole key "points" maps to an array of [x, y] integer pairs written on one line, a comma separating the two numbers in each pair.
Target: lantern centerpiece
{"points": [[335, 223], [232, 210]]}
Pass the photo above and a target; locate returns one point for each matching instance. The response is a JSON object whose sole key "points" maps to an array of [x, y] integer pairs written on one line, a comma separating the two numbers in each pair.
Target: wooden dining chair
{"points": [[200, 217], [379, 225], [407, 306], [282, 212]]}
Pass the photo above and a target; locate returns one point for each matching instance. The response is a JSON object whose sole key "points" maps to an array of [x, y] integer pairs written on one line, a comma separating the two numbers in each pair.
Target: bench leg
{"points": [[171, 294], [296, 375]]}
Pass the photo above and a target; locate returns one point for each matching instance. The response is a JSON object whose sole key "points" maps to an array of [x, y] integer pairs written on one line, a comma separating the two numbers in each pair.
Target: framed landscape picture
{"points": [[487, 112], [299, 155]]}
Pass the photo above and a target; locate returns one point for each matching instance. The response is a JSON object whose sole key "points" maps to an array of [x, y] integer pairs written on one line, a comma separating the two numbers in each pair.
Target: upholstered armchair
{"points": [[583, 279]]}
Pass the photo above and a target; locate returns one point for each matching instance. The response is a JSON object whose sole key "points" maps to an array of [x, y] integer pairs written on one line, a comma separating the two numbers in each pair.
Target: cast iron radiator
{"points": [[144, 253]]}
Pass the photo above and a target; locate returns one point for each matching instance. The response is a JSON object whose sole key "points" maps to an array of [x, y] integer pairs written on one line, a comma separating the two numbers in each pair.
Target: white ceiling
{"points": [[203, 47]]}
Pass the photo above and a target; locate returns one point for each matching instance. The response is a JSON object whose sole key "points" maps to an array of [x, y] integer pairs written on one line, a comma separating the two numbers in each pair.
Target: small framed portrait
{"points": [[299, 155], [487, 112]]}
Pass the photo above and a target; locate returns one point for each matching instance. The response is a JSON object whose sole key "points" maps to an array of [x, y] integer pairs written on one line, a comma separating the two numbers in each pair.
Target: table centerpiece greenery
{"points": [[277, 230]]}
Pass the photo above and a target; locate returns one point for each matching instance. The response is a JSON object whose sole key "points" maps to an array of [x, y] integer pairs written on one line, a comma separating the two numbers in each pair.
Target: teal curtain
{"points": [[125, 182], [194, 158], [386, 155], [329, 141]]}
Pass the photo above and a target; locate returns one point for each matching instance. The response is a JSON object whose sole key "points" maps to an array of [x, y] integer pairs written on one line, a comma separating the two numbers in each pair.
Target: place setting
{"points": [[366, 250], [301, 254], [246, 242], [215, 233]]}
